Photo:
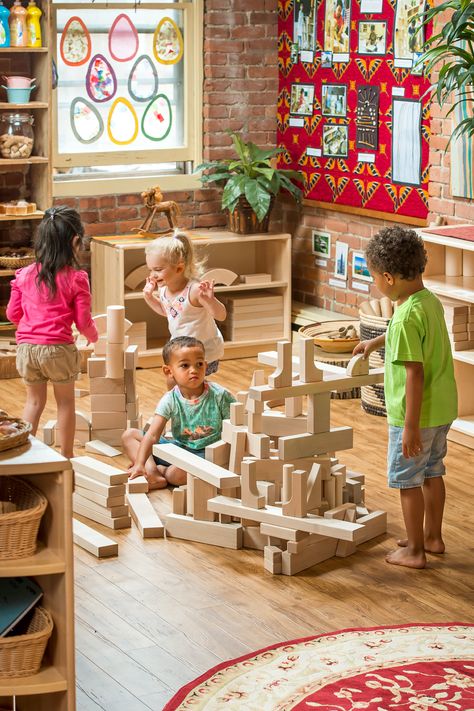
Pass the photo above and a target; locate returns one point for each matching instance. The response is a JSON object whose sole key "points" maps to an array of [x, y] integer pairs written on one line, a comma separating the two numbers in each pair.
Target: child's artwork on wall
{"points": [[372, 37], [408, 35], [143, 79], [123, 39], [406, 168], [340, 267], [101, 83], [349, 146], [321, 243], [75, 45], [168, 42], [86, 122], [360, 270], [334, 100], [304, 28]]}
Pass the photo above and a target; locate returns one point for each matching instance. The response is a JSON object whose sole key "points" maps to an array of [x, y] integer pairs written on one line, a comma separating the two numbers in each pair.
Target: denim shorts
{"points": [[164, 440], [410, 473]]}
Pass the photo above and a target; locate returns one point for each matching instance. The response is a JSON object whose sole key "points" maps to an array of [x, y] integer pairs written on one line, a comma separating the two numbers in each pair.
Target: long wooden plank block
{"points": [[225, 535], [139, 485], [271, 514], [375, 524], [331, 382], [271, 358], [93, 541], [305, 445], [122, 522], [103, 489], [207, 471], [110, 512], [146, 519], [100, 471], [106, 501]]}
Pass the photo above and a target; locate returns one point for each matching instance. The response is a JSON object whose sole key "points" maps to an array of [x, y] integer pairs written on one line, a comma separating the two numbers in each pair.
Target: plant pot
{"points": [[243, 219]]}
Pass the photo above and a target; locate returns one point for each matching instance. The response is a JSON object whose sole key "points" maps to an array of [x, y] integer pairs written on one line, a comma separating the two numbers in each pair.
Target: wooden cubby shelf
{"points": [[7, 106], [37, 215]]}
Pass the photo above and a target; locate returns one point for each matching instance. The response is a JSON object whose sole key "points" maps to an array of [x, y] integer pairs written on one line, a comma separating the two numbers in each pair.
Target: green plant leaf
{"points": [[258, 198], [233, 190]]}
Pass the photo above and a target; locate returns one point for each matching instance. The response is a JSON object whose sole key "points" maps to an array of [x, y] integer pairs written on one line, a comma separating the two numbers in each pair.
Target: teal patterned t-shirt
{"points": [[196, 423]]}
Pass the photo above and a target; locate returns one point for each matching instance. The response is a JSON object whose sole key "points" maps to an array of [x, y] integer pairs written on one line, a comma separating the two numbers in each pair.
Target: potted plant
{"points": [[452, 48], [251, 181]]}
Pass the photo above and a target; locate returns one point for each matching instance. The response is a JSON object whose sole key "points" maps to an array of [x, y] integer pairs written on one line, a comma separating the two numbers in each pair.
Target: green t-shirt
{"points": [[417, 332], [196, 423]]}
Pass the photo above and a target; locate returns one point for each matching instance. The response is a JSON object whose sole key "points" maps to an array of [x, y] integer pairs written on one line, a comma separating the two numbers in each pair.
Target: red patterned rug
{"points": [[407, 668]]}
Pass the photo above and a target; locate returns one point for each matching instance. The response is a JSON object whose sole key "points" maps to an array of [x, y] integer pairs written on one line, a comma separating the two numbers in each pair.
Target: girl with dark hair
{"points": [[46, 298]]}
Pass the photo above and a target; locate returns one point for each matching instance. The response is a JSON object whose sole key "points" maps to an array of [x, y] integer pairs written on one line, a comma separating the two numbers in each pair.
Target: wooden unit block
{"points": [[207, 471], [130, 386], [218, 453], [108, 403], [293, 406], [137, 335], [254, 423], [104, 501], [354, 490], [133, 410], [236, 413], [131, 357], [100, 346], [274, 515], [346, 548], [115, 325], [250, 494], [225, 535], [96, 367], [286, 482], [309, 373], [386, 307], [79, 392], [201, 492], [254, 406], [49, 432], [139, 485], [136, 277], [296, 506], [258, 445], [374, 523], [358, 365], [145, 517], [255, 278], [82, 421], [114, 360], [237, 450], [305, 445], [220, 276], [95, 446], [258, 378], [87, 482], [109, 420], [81, 436], [339, 483], [268, 490], [286, 534], [331, 381], [178, 502], [329, 491], [111, 512], [242, 396], [282, 376], [137, 423], [276, 424], [318, 418], [107, 386], [99, 471], [100, 323], [115, 523], [252, 538], [293, 563], [109, 436], [93, 541], [339, 512], [299, 546], [272, 559], [314, 488]]}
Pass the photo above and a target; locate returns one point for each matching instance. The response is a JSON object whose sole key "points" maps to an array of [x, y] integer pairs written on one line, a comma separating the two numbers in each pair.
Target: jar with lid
{"points": [[16, 135]]}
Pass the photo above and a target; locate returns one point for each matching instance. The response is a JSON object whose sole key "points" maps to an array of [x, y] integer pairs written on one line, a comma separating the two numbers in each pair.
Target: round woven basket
{"points": [[21, 509], [23, 257], [319, 331], [21, 655], [14, 439], [372, 396]]}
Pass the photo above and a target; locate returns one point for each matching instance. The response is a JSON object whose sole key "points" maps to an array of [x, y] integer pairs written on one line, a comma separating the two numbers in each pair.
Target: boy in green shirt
{"points": [[195, 407], [420, 390]]}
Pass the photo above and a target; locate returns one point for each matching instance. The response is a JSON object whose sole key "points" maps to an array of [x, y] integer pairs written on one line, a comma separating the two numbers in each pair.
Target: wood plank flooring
{"points": [[163, 612]]}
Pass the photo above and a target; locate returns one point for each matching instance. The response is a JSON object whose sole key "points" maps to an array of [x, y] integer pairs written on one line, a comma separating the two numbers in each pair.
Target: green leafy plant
{"points": [[453, 50], [252, 176]]}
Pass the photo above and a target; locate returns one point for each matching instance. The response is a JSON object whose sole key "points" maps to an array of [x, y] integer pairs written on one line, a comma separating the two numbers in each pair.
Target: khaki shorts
{"points": [[60, 363]]}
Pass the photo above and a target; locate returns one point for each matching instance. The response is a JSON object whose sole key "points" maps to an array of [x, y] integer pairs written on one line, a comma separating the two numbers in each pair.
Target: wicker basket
{"points": [[19, 528], [15, 439], [373, 396], [21, 655], [8, 262]]}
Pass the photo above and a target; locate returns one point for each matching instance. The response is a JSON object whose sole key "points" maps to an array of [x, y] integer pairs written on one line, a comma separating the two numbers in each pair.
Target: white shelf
{"points": [[447, 241], [464, 424], [460, 287], [464, 356], [131, 295]]}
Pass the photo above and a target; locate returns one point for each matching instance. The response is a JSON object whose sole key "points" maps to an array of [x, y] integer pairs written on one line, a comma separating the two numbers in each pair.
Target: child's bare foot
{"points": [[432, 545], [155, 477], [403, 556]]}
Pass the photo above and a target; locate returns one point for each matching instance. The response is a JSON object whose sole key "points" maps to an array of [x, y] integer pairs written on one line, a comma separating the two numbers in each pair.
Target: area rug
{"points": [[415, 667]]}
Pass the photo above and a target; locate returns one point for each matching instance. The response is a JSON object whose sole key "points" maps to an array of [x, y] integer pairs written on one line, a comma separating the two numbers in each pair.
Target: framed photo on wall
{"points": [[360, 270], [334, 100], [321, 243], [340, 267], [337, 23], [408, 31], [372, 37], [335, 140], [304, 28], [302, 99]]}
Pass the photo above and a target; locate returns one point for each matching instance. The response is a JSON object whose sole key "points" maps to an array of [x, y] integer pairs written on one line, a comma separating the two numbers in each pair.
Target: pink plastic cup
{"points": [[18, 82]]}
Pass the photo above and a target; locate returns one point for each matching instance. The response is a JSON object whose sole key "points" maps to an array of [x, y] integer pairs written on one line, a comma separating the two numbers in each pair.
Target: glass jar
{"points": [[16, 135]]}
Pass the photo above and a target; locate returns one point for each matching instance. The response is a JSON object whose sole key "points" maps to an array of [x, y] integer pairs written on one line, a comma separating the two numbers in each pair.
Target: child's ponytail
{"points": [[54, 244], [178, 248]]}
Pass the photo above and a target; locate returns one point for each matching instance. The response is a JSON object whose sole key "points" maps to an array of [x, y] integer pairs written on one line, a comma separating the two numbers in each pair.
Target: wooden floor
{"points": [[165, 611]]}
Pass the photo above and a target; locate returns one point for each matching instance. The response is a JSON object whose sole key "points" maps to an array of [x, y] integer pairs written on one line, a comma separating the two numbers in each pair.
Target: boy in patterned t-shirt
{"points": [[195, 407]]}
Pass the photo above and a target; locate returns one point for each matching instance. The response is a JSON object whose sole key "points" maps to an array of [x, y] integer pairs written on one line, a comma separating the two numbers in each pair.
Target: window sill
{"points": [[89, 187]]}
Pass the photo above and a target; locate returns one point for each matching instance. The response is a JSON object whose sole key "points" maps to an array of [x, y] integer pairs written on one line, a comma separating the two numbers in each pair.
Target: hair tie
{"points": [[51, 213]]}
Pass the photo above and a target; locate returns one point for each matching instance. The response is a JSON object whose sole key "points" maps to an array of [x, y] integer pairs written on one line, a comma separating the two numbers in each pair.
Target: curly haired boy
{"points": [[420, 390]]}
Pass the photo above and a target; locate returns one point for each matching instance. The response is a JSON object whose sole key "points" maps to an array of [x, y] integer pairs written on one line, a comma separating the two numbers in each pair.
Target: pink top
{"points": [[43, 319]]}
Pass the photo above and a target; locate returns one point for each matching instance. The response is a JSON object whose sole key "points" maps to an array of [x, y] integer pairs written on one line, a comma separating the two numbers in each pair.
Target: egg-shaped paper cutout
{"points": [[101, 82], [122, 122], [143, 79], [75, 46], [157, 119], [86, 122], [168, 42], [123, 39]]}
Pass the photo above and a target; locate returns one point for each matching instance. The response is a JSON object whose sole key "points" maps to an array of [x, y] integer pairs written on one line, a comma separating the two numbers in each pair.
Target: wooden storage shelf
{"points": [[113, 258], [455, 256], [44, 562], [7, 272], [48, 681], [20, 50], [37, 215], [32, 160], [7, 106]]}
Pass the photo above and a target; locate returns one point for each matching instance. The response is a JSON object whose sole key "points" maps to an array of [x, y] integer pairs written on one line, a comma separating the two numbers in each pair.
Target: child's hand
{"points": [[365, 347], [206, 291], [136, 470], [411, 442], [150, 286]]}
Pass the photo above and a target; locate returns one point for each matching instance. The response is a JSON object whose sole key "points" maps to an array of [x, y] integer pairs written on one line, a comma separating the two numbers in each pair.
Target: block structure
{"points": [[99, 492]]}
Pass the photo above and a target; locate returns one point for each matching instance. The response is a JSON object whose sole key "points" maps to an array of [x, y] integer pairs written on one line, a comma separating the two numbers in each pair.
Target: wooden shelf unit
{"points": [[113, 258], [52, 567], [458, 286]]}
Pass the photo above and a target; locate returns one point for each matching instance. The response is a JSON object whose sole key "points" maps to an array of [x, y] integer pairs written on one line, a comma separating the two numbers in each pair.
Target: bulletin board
{"points": [[352, 111]]}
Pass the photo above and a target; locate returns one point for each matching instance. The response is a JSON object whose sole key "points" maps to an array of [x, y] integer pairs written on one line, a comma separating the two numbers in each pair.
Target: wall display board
{"points": [[352, 111]]}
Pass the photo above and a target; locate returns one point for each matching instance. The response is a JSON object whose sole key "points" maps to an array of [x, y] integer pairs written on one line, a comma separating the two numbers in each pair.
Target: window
{"points": [[128, 103]]}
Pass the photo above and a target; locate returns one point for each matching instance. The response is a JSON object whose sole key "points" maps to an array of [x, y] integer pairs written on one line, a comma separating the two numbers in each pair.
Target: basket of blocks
{"points": [[22, 654], [16, 258], [374, 317], [21, 509]]}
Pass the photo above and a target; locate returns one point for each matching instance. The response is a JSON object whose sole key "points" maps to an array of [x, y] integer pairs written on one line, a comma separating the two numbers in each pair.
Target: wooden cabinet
{"points": [[52, 568], [450, 274], [113, 258]]}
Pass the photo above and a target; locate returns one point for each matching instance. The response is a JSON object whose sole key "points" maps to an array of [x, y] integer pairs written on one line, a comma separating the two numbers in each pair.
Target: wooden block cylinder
{"points": [[453, 261], [114, 360], [467, 263], [115, 324]]}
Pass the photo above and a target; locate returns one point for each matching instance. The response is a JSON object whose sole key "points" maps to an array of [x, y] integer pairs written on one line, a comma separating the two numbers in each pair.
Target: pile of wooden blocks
{"points": [[273, 481], [248, 314], [459, 318], [99, 492]]}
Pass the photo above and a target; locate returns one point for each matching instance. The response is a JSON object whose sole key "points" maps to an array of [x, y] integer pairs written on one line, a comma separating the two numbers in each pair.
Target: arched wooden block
{"points": [[101, 324], [220, 276], [358, 365], [366, 308], [136, 277]]}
